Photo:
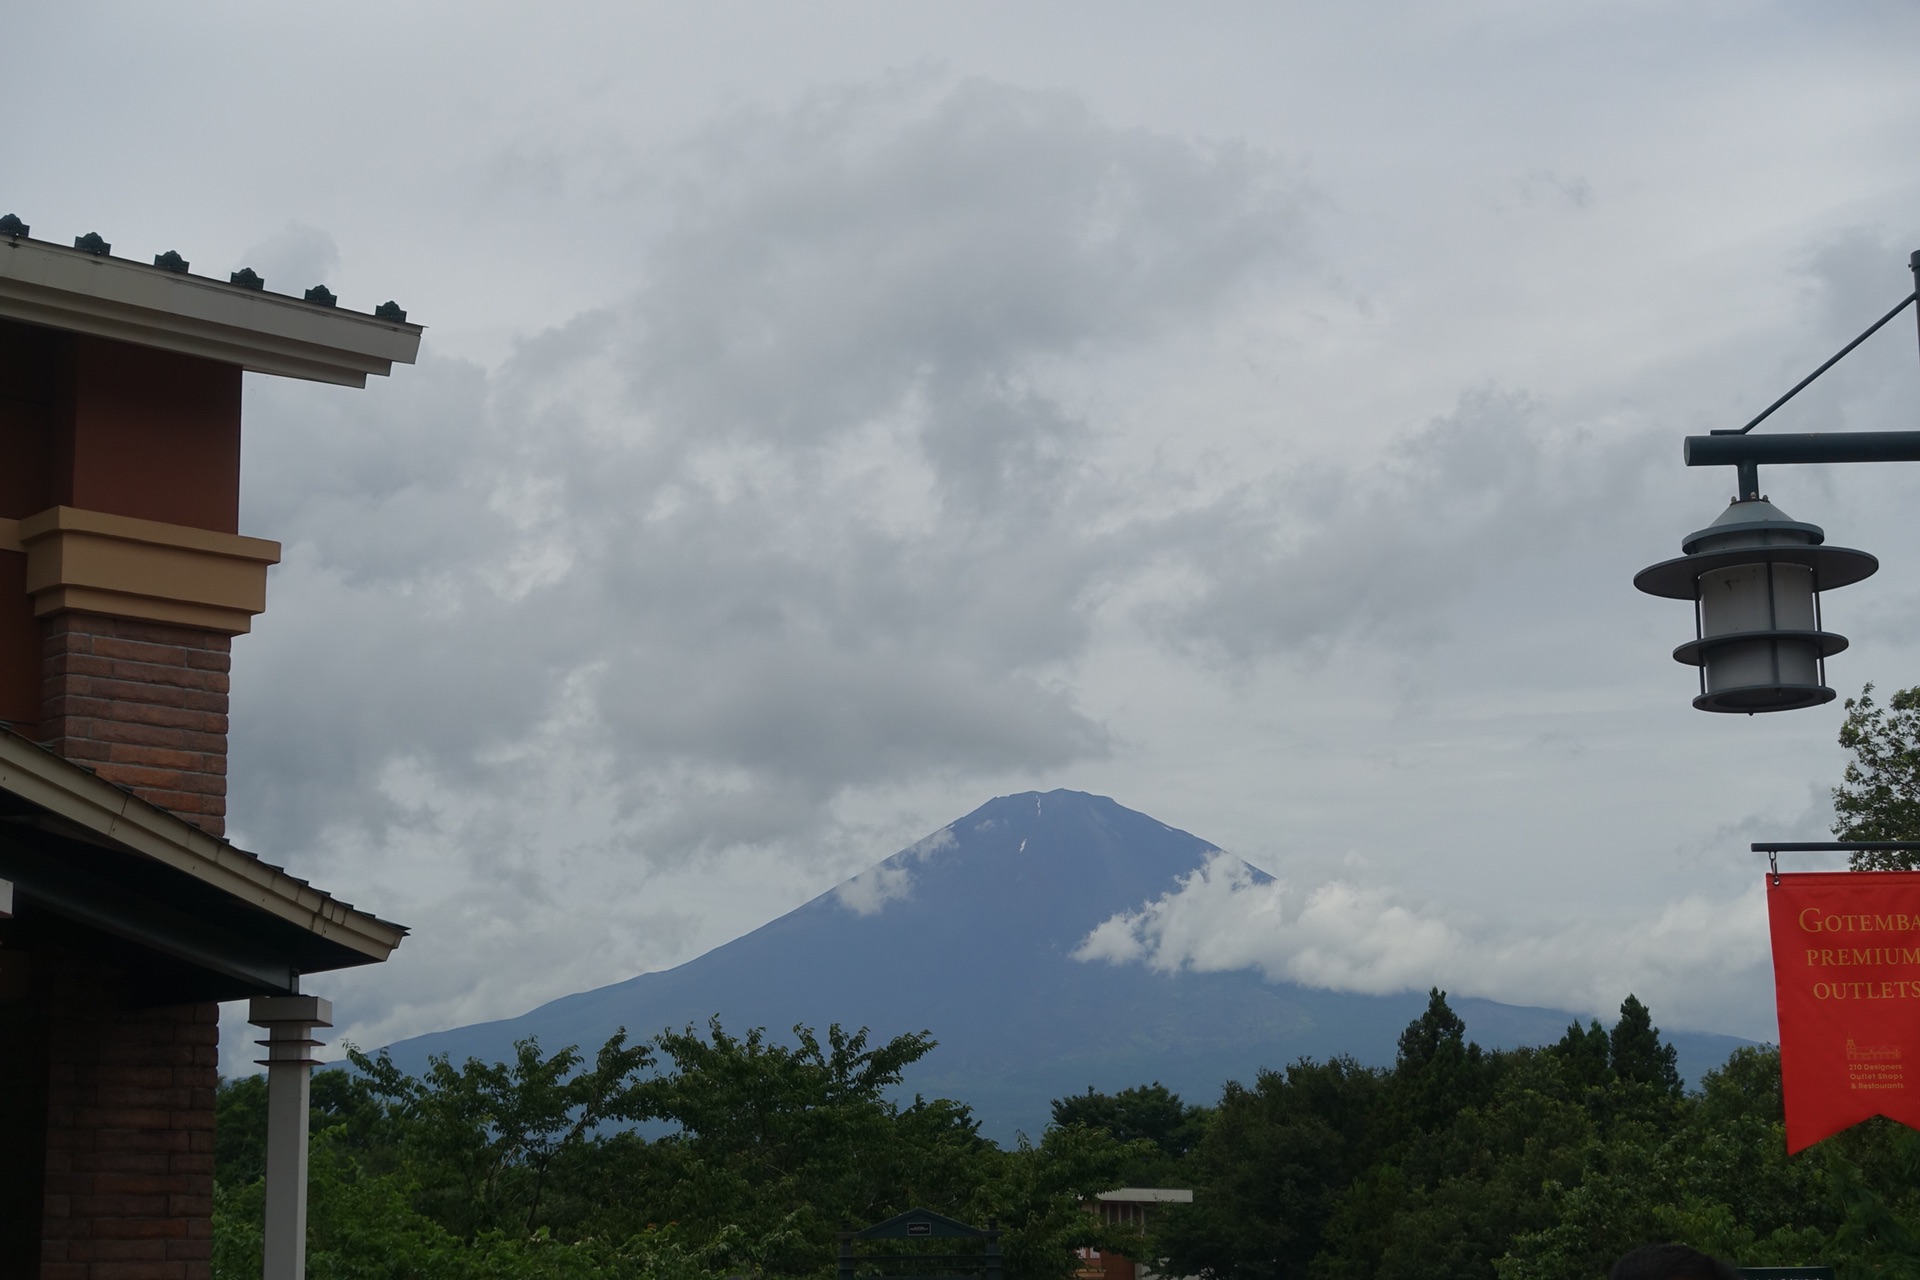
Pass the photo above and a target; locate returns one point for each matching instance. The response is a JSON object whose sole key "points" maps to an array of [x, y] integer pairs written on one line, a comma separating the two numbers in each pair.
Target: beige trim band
{"points": [[126, 568], [10, 535]]}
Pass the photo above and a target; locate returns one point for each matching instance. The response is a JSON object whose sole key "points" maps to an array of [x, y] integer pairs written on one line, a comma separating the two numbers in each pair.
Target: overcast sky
{"points": [[834, 415]]}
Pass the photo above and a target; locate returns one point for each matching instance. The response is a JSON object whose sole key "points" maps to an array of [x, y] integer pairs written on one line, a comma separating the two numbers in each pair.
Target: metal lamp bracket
{"points": [[1773, 849], [1739, 449]]}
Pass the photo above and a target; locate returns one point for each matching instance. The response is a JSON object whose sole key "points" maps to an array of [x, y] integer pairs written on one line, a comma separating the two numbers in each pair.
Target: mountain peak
{"points": [[1058, 861], [971, 933]]}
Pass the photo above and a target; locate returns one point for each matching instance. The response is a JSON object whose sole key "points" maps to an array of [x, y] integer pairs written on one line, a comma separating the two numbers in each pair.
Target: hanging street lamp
{"points": [[1755, 578], [1755, 575]]}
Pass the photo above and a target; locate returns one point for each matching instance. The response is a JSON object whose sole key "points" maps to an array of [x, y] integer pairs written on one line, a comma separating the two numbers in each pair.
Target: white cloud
{"points": [[874, 888], [930, 847], [1698, 961], [892, 880]]}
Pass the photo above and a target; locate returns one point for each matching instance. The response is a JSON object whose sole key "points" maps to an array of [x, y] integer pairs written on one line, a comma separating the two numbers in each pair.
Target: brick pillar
{"points": [[129, 1165], [142, 704]]}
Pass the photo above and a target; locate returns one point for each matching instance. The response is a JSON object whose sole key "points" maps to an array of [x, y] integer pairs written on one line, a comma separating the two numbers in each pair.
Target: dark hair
{"points": [[1670, 1262]]}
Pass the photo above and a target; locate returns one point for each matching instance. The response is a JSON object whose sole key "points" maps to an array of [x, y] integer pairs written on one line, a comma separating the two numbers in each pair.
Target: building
{"points": [[125, 915], [1129, 1207]]}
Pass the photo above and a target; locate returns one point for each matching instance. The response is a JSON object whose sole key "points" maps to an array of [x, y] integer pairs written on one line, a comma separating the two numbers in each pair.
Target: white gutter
{"points": [[60, 288], [102, 813]]}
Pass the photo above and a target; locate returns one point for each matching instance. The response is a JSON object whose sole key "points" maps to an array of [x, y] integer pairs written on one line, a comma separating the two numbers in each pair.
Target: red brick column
{"points": [[142, 704], [130, 1096]]}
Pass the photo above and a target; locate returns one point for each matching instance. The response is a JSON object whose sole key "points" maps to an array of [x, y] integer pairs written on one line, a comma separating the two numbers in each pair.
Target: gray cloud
{"points": [[807, 449], [801, 515], [295, 259], [819, 511], [1390, 550]]}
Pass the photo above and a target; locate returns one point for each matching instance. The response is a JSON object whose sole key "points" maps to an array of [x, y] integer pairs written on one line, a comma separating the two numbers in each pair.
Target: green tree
{"points": [[483, 1139], [1274, 1166], [1039, 1194], [1527, 1164], [1638, 1055], [1151, 1112], [365, 1225], [1144, 1113], [1587, 1054], [1555, 1145], [1438, 1070], [803, 1133], [337, 1097], [530, 1168], [240, 1130], [1448, 1200], [1879, 795]]}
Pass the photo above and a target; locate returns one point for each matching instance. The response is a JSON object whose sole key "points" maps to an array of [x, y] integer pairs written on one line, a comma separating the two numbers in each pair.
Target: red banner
{"points": [[1846, 974]]}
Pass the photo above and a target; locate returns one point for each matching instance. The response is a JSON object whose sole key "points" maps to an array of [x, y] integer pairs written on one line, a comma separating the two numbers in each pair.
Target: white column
{"points": [[289, 1021]]}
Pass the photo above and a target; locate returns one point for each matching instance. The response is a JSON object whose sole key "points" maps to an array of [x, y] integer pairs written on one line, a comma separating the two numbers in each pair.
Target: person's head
{"points": [[1670, 1262]]}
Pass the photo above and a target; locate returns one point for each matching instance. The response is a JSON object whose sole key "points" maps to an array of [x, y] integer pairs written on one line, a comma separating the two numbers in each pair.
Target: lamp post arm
{"points": [[1839, 355], [1821, 447], [1727, 449]]}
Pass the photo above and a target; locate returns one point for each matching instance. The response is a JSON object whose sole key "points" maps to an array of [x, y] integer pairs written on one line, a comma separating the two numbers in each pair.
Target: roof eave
{"points": [[47, 284], [106, 814]]}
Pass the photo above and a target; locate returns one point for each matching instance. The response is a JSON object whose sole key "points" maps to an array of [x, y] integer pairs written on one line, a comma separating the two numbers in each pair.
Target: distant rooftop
{"points": [[1148, 1195], [85, 289]]}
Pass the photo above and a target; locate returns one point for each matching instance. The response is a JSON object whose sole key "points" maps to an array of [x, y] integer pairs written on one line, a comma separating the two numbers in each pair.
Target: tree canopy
{"points": [[1879, 794], [689, 1157], [705, 1154]]}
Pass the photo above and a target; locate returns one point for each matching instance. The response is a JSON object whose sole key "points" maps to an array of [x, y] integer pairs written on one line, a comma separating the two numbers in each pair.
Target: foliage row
{"points": [[688, 1157], [697, 1156]]}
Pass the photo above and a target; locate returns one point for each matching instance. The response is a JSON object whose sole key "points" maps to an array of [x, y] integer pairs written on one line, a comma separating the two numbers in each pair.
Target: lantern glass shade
{"points": [[1765, 605], [1755, 577]]}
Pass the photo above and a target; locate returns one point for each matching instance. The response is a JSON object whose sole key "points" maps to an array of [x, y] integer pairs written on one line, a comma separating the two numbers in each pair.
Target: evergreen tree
{"points": [[1637, 1053], [1274, 1165], [1586, 1053], [1436, 1034], [1438, 1070]]}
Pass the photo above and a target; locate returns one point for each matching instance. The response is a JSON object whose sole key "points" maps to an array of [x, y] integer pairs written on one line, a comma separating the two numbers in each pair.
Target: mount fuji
{"points": [[971, 934]]}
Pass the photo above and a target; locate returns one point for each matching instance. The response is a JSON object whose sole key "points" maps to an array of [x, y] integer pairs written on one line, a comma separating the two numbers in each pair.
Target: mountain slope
{"points": [[969, 934]]}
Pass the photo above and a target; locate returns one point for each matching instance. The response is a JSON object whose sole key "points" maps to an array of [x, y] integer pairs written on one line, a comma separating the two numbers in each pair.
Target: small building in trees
{"points": [[125, 914], [1133, 1207]]}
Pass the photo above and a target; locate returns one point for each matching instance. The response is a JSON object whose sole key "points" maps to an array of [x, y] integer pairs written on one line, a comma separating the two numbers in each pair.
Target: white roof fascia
{"points": [[1148, 1195], [108, 297], [104, 814]]}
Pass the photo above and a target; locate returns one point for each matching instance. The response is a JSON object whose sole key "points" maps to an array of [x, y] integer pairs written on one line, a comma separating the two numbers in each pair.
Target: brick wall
{"points": [[129, 1137], [142, 704]]}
